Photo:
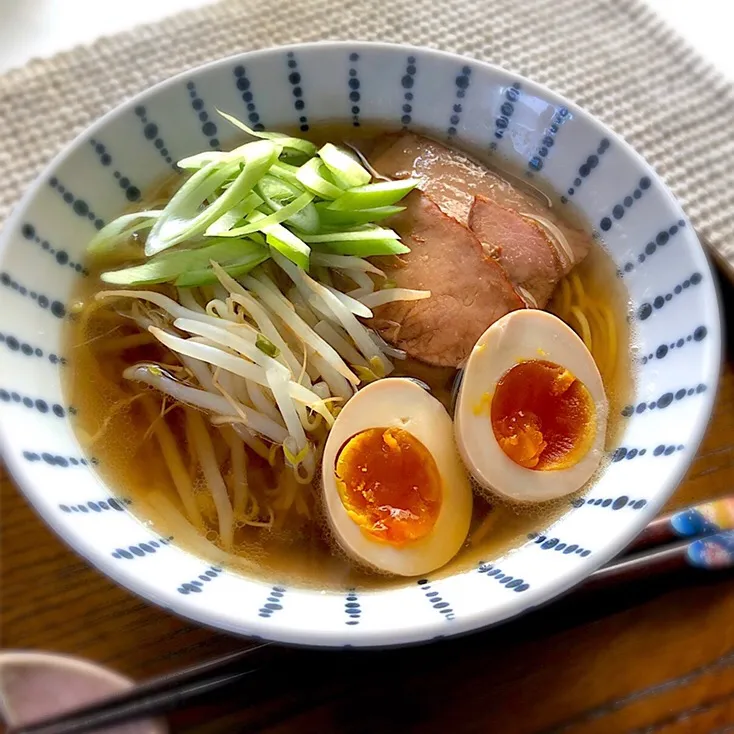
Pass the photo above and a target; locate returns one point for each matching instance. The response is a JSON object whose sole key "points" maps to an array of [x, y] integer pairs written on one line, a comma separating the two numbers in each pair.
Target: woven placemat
{"points": [[616, 58]]}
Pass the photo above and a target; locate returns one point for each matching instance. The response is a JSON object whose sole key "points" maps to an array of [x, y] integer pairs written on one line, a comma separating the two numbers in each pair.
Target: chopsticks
{"points": [[698, 537], [156, 696], [699, 520], [703, 538]]}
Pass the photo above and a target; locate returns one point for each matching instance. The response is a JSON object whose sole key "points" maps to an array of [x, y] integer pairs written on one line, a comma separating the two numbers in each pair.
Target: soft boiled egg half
{"points": [[396, 493], [531, 414]]}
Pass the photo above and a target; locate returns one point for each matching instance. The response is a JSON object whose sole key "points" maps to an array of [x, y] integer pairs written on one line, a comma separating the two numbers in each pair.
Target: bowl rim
{"points": [[359, 637]]}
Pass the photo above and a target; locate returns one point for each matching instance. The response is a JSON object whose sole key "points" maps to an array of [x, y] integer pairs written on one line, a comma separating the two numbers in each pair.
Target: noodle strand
{"points": [[204, 449]]}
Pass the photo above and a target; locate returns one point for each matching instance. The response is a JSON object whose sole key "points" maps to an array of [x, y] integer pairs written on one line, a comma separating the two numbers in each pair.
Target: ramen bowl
{"points": [[673, 311]]}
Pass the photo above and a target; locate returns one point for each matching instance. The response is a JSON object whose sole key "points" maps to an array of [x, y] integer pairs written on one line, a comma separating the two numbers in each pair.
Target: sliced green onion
{"points": [[345, 169], [365, 248], [266, 346], [285, 141], [286, 172], [251, 193], [306, 220], [119, 230], [227, 221], [365, 242], [275, 191], [260, 223], [272, 188], [174, 224], [182, 217], [195, 162], [171, 265], [346, 263], [198, 161], [371, 196], [333, 217], [236, 268], [310, 175], [359, 235], [288, 244]]}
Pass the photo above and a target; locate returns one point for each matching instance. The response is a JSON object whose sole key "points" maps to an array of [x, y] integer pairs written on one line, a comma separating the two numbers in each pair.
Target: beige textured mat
{"points": [[614, 57]]}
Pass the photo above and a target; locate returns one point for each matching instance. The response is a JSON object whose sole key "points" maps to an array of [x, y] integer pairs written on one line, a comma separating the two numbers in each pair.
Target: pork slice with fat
{"points": [[520, 246], [452, 179], [469, 291]]}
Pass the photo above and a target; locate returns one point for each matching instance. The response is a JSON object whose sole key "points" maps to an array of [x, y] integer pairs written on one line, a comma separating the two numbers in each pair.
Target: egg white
{"points": [[527, 334], [399, 402]]}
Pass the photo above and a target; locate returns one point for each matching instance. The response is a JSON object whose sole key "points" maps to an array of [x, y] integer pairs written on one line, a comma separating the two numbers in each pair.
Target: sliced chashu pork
{"points": [[469, 291], [452, 179], [520, 246]]}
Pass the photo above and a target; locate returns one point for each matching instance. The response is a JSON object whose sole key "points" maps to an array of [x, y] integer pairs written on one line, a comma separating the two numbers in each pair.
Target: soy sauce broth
{"points": [[298, 553]]}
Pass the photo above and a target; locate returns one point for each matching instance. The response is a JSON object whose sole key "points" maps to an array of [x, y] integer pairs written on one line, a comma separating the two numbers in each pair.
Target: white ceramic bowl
{"points": [[676, 316]]}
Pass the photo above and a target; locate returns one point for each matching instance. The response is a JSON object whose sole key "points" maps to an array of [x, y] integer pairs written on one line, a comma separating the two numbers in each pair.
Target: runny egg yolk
{"points": [[389, 484], [542, 416]]}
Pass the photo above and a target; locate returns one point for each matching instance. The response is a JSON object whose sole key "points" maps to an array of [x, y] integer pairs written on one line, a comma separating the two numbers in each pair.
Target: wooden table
{"points": [[652, 661]]}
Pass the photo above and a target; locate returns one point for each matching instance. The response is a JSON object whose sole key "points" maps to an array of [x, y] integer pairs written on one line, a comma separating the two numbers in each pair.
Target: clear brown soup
{"points": [[299, 552]]}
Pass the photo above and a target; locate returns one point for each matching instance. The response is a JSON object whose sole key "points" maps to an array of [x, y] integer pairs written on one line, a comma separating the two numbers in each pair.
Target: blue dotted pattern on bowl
{"points": [[664, 401], [132, 192], [151, 132], [661, 239], [79, 206], [38, 404], [354, 84], [462, 81], [695, 337], [117, 504], [59, 255], [208, 127], [617, 503], [29, 350], [294, 78], [244, 88], [556, 544], [352, 608], [647, 309], [625, 452], [43, 301], [537, 162], [436, 601], [139, 550], [586, 169], [492, 571], [274, 602], [507, 109], [406, 82], [57, 460], [618, 210], [196, 585]]}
